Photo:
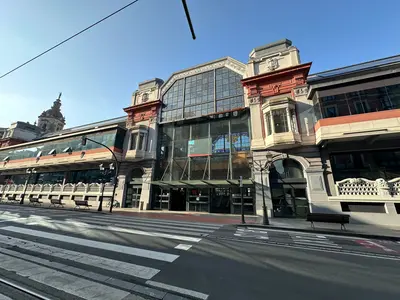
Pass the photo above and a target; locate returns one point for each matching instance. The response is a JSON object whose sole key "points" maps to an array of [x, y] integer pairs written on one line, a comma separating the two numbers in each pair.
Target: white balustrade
{"points": [[364, 187]]}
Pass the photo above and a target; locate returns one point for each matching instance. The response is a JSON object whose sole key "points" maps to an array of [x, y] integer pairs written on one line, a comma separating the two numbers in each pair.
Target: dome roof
{"points": [[54, 111]]}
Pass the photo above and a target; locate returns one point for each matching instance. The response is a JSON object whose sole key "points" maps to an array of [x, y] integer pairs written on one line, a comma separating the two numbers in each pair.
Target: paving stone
{"points": [[120, 283], [134, 297], [169, 296], [149, 291], [95, 276]]}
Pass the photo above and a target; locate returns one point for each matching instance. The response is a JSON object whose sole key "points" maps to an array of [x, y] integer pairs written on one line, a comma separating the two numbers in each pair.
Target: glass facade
{"points": [[203, 94], [111, 139], [358, 102], [217, 145], [366, 164]]}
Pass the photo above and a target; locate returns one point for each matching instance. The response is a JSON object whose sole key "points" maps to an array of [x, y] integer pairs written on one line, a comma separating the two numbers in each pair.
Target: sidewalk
{"points": [[355, 230]]}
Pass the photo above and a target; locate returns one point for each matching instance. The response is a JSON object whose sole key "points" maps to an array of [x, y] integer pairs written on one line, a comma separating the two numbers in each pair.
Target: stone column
{"points": [[146, 187], [271, 120], [288, 119], [256, 122]]}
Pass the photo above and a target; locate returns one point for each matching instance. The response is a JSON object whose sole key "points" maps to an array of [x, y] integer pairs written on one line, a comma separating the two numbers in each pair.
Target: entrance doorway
{"points": [[221, 201], [178, 199], [288, 189], [134, 189], [289, 202]]}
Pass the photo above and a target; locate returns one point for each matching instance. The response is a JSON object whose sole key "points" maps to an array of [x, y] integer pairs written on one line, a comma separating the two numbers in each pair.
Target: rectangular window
{"points": [[141, 141], [133, 141], [268, 123], [365, 207], [361, 107], [331, 111], [279, 117]]}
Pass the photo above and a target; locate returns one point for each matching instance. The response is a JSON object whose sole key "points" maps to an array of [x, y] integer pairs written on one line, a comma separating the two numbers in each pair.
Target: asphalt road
{"points": [[76, 255]]}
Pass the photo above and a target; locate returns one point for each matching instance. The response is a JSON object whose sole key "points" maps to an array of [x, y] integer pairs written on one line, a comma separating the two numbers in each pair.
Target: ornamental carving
{"points": [[228, 62], [301, 91], [254, 100], [272, 64]]}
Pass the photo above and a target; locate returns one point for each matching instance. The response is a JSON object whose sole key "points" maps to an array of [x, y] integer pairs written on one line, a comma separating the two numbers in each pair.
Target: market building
{"points": [[326, 142], [357, 128]]}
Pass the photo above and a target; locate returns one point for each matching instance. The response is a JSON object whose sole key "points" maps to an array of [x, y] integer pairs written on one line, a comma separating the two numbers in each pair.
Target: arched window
{"points": [[137, 173], [286, 169]]}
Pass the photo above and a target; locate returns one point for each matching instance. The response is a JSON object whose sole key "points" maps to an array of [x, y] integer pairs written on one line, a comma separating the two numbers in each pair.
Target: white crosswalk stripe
{"points": [[75, 266], [251, 233], [313, 240]]}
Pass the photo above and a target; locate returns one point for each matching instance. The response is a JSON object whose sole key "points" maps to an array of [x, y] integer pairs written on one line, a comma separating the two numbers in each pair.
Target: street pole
{"points": [[84, 139], [21, 202], [241, 199], [265, 213]]}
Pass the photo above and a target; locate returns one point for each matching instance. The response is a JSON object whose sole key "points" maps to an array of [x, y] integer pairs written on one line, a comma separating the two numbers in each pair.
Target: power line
{"points": [[70, 38]]}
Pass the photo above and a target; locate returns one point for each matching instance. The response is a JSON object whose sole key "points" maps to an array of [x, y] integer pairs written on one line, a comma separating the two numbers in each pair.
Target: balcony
{"points": [[282, 140], [354, 127], [280, 124]]}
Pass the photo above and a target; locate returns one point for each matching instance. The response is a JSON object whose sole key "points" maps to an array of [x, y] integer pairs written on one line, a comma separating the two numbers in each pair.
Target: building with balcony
{"points": [[283, 138], [357, 128]]}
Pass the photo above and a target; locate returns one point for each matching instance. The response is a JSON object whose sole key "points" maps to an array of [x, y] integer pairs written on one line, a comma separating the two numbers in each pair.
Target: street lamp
{"points": [[29, 172], [258, 165], [83, 143]]}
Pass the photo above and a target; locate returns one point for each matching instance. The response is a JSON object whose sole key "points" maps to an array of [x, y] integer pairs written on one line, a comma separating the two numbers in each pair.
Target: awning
{"points": [[203, 183]]}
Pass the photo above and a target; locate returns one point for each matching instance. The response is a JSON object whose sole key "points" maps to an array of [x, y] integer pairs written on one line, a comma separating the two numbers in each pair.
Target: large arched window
{"points": [[286, 169]]}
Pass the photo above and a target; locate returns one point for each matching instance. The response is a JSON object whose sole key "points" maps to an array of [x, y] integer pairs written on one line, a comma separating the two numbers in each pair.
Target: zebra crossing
{"points": [[47, 250], [314, 240], [298, 238]]}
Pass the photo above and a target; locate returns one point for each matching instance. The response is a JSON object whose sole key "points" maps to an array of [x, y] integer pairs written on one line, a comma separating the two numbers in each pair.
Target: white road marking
{"points": [[155, 221], [83, 258], [322, 245], [320, 250], [142, 225], [94, 244], [183, 247], [179, 290], [71, 284], [125, 230]]}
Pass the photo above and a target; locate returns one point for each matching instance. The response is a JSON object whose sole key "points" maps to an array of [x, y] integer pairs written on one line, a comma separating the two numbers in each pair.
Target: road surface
{"points": [[76, 255]]}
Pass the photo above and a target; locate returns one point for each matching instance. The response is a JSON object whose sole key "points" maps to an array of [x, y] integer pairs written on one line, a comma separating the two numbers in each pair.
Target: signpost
{"points": [[241, 199]]}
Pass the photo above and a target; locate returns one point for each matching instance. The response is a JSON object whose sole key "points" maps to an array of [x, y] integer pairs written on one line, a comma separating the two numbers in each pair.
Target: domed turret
{"points": [[52, 119]]}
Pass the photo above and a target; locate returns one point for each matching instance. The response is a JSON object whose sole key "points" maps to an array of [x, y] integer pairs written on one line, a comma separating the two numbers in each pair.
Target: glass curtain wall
{"points": [[229, 145], [214, 91], [358, 102]]}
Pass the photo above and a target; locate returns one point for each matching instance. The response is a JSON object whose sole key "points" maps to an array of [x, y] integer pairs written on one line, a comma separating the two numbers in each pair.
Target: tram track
{"points": [[13, 290]]}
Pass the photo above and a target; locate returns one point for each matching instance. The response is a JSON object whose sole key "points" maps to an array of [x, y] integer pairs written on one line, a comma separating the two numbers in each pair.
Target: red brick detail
{"points": [[379, 115], [277, 82], [142, 112]]}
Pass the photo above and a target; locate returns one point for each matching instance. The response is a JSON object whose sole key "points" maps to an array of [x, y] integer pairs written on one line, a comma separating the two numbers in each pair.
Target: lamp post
{"points": [[258, 165], [29, 172], [83, 142]]}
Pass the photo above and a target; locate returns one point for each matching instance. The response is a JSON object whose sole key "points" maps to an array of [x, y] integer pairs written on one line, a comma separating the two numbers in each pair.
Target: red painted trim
{"points": [[142, 105], [379, 115]]}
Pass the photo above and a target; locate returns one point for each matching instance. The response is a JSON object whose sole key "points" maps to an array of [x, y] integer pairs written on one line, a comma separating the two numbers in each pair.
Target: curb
{"points": [[344, 233]]}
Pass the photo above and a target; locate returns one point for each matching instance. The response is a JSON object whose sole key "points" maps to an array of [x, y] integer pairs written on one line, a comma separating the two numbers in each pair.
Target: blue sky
{"points": [[98, 71]]}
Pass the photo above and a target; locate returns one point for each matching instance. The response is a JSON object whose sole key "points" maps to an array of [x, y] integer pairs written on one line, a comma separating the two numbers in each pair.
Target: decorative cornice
{"points": [[228, 62]]}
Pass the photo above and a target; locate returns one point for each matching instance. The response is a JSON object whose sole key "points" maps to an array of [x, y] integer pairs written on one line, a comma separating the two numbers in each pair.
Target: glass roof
{"points": [[354, 68]]}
